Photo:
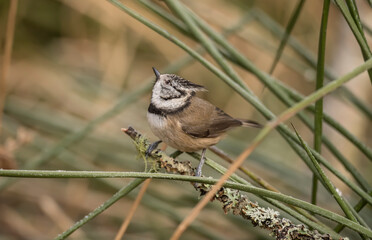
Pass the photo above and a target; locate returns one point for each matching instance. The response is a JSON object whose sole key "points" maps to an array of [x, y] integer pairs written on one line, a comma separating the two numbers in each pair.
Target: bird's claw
{"points": [[151, 148]]}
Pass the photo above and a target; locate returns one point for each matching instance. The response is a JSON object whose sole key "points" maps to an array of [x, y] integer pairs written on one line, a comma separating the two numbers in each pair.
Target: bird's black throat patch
{"points": [[163, 112]]}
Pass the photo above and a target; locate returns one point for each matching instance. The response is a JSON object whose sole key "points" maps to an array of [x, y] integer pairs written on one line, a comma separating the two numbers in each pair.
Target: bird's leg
{"points": [[202, 159], [152, 147]]}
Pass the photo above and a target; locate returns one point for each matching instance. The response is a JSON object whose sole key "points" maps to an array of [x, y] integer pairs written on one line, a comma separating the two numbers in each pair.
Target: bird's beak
{"points": [[157, 73]]}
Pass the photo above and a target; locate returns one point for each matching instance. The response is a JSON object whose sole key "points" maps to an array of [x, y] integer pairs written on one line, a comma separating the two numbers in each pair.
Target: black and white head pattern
{"points": [[172, 92]]}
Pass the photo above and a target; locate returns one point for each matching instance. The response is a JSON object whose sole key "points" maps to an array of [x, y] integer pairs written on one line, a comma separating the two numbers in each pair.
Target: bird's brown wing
{"points": [[203, 120]]}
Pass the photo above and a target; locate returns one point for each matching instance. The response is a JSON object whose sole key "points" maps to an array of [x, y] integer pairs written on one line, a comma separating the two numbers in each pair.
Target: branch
{"points": [[232, 200]]}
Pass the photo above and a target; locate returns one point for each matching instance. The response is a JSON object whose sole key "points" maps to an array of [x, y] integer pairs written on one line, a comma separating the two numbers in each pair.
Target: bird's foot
{"points": [[200, 166], [151, 148]]}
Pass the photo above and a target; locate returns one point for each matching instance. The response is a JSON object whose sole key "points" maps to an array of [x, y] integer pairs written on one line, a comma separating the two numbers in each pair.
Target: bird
{"points": [[184, 121]]}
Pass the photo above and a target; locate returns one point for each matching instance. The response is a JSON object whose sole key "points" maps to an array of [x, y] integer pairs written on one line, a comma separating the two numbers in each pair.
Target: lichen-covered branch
{"points": [[231, 199]]}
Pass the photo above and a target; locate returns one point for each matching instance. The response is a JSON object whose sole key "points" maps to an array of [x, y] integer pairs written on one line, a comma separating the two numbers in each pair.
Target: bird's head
{"points": [[171, 91]]}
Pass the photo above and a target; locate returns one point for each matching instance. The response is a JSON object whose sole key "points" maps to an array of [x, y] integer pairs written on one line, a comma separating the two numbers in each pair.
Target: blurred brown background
{"points": [[73, 60]]}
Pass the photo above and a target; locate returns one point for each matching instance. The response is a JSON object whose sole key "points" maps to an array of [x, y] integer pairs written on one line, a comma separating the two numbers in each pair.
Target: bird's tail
{"points": [[249, 123]]}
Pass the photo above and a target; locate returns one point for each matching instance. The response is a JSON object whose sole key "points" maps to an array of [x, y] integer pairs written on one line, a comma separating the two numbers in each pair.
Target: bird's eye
{"points": [[167, 81]]}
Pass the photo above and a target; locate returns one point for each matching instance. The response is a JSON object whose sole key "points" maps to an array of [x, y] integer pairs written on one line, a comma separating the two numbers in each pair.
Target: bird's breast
{"points": [[156, 121]]}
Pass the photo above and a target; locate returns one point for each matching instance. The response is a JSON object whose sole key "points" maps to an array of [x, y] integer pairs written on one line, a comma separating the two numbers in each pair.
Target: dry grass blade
{"points": [[246, 171], [132, 210], [7, 53], [197, 209]]}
